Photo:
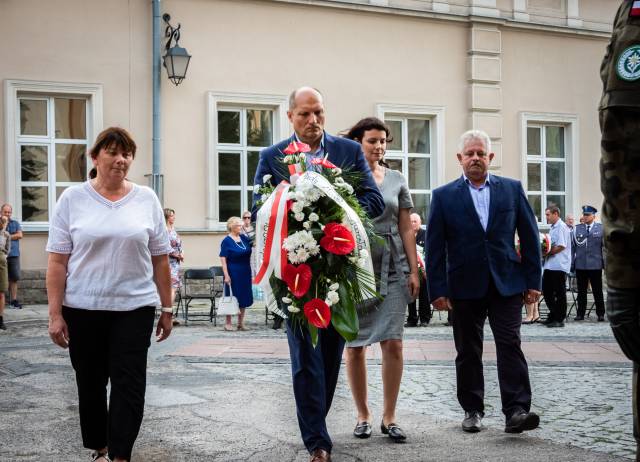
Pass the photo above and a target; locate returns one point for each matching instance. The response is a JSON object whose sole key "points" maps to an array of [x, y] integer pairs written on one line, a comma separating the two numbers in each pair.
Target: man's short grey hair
{"points": [[474, 135], [294, 93], [417, 215]]}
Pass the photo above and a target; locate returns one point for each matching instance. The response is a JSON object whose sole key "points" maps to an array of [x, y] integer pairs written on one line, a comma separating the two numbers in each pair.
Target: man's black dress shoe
{"points": [[600, 318], [579, 318], [555, 324], [522, 421], [362, 430], [472, 422], [411, 324], [277, 323], [547, 321], [394, 432]]}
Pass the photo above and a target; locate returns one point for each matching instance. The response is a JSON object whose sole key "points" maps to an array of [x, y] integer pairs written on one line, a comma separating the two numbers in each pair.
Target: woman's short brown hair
{"points": [[112, 137]]}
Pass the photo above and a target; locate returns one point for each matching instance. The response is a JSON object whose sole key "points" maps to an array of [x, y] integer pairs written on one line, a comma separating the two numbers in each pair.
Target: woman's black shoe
{"points": [[362, 430], [394, 432]]}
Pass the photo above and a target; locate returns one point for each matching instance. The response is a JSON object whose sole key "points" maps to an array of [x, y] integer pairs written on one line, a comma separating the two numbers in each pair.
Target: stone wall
{"points": [[31, 288]]}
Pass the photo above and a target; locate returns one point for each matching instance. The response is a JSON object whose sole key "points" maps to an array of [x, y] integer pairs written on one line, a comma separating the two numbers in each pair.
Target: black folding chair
{"points": [[199, 284]]}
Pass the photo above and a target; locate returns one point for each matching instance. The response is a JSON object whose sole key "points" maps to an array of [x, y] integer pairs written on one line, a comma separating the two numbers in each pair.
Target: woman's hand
{"points": [[414, 284], [227, 279], [165, 323], [58, 331]]}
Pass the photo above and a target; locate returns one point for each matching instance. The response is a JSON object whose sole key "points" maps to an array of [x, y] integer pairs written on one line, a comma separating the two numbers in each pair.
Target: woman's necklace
{"points": [[239, 244]]}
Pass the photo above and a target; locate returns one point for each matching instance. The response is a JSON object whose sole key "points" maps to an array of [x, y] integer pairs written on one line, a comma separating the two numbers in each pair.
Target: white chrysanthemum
{"points": [[334, 286], [266, 178], [293, 309], [299, 216], [303, 240], [313, 216], [306, 225], [297, 206], [302, 254], [337, 171], [300, 195], [291, 195], [286, 300]]}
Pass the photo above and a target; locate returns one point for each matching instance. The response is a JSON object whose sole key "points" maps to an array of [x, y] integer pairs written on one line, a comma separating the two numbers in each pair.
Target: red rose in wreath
{"points": [[318, 313], [298, 278], [337, 239]]}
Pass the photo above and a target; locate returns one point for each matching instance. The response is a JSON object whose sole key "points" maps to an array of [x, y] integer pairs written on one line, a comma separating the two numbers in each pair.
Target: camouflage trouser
{"points": [[623, 309], [620, 184]]}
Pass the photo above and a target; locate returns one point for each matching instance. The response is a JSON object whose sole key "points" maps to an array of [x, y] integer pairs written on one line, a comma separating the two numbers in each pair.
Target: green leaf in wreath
{"points": [[344, 316], [313, 331]]}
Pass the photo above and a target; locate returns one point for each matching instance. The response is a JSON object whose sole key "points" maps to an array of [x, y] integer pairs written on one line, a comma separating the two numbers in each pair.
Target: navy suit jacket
{"points": [[344, 153], [461, 256]]}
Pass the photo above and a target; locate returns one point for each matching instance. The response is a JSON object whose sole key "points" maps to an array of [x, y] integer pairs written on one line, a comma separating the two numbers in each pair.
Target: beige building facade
{"points": [[526, 71]]}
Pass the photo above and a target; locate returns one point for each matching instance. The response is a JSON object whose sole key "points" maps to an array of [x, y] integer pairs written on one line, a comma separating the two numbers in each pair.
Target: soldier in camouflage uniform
{"points": [[620, 184]]}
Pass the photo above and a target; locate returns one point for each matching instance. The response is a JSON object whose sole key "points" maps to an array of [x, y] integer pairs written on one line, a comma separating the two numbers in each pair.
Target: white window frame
{"points": [[12, 88], [436, 156], [571, 150], [236, 101]]}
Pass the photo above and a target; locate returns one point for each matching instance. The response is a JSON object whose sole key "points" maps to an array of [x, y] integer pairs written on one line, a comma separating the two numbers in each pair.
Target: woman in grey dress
{"points": [[396, 267]]}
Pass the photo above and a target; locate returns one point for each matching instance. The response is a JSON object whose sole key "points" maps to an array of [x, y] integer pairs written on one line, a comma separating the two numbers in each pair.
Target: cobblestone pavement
{"points": [[584, 404]]}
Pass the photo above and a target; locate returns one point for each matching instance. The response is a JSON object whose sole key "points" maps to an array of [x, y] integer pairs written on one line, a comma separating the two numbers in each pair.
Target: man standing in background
{"points": [[423, 311], [588, 262], [556, 266], [13, 259]]}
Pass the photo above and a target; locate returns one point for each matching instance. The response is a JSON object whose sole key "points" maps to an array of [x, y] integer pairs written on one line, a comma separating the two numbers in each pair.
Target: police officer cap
{"points": [[588, 210]]}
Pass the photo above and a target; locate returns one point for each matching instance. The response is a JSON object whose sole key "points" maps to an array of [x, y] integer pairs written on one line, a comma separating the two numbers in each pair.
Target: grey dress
{"points": [[385, 321]]}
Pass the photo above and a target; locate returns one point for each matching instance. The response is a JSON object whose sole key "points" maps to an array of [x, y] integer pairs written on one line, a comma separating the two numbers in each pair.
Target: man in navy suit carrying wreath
{"points": [[315, 370]]}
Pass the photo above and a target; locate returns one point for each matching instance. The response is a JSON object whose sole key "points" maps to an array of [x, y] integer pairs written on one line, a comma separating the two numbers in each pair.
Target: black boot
{"points": [[2, 326], [277, 322]]}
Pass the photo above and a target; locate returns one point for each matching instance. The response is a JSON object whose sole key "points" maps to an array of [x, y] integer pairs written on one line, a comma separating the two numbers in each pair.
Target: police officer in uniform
{"points": [[620, 184], [588, 261]]}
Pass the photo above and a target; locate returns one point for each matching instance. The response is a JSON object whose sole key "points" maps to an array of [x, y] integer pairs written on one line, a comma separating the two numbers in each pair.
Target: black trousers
{"points": [[423, 313], [315, 375], [110, 346], [623, 309], [554, 289], [584, 277], [468, 318]]}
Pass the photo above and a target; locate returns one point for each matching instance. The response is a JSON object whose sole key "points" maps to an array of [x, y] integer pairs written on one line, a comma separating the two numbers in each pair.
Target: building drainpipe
{"points": [[156, 180]]}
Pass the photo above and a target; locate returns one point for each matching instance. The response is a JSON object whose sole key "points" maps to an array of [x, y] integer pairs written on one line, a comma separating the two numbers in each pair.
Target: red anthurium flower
{"points": [[337, 239], [323, 161], [296, 147], [318, 313], [298, 278]]}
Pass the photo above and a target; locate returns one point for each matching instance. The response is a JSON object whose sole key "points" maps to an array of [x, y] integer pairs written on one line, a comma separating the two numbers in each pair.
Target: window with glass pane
{"points": [[52, 151], [421, 205], [395, 126], [33, 117], [411, 155], [249, 130], [546, 168]]}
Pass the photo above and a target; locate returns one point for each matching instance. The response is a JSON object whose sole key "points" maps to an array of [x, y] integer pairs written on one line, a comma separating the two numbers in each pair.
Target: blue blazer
{"points": [[461, 256], [344, 153]]}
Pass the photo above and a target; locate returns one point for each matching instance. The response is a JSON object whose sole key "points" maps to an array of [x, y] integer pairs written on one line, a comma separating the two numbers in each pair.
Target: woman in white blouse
{"points": [[108, 248]]}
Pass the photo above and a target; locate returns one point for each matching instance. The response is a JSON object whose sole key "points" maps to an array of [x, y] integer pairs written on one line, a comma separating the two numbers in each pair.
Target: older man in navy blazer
{"points": [[315, 370], [474, 271]]}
